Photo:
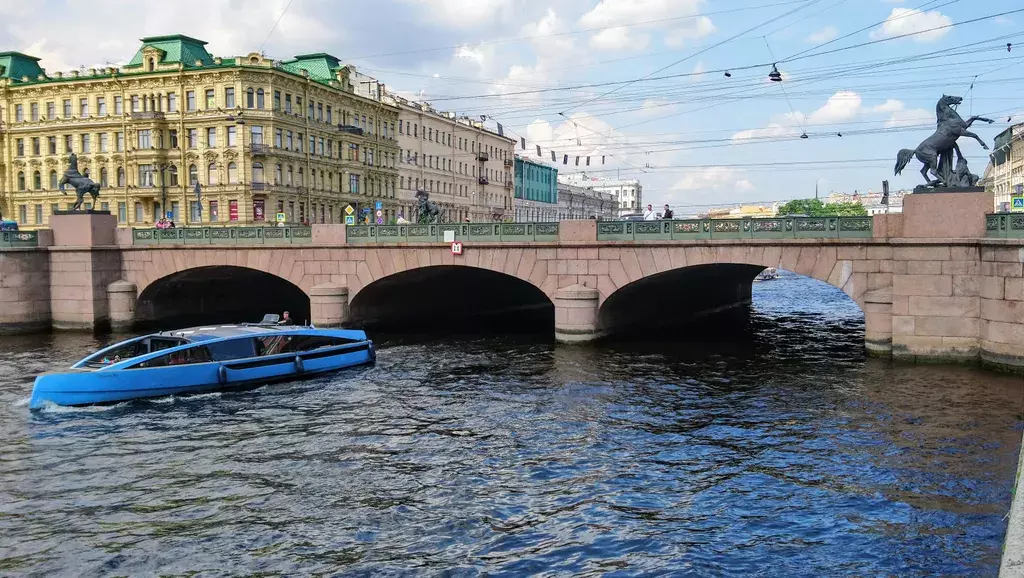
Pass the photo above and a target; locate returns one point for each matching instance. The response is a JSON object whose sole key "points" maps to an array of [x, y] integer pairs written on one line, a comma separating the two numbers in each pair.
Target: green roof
{"points": [[321, 66], [176, 48], [15, 65]]}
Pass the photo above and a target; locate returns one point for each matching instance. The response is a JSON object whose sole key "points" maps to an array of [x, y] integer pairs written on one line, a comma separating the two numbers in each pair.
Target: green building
{"points": [[536, 194]]}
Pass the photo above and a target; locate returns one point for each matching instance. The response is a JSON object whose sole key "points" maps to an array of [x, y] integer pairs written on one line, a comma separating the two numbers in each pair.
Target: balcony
{"points": [[148, 115], [484, 181], [259, 149], [260, 186], [509, 162], [482, 157], [350, 129], [509, 184]]}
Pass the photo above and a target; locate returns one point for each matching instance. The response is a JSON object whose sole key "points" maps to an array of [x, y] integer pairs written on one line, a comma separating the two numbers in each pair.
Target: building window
{"points": [[85, 144], [21, 181], [288, 103], [353, 183], [140, 215], [135, 103], [277, 100], [330, 119], [83, 108], [278, 139], [103, 177], [53, 180], [120, 177], [104, 141], [122, 212], [172, 102], [214, 213], [144, 139], [172, 136], [233, 173], [299, 181], [211, 174], [233, 210], [259, 98], [36, 148], [101, 106], [278, 175], [256, 135], [231, 136], [146, 175], [257, 173], [174, 210], [151, 64], [190, 100], [34, 111], [23, 214], [51, 110], [118, 106], [309, 112], [211, 137], [67, 108], [320, 111], [195, 210], [172, 173], [211, 101], [193, 175], [37, 181], [19, 113], [193, 138], [120, 142], [19, 145], [229, 97]]}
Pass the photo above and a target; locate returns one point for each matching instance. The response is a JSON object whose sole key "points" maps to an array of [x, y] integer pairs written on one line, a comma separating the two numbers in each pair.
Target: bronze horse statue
{"points": [[936, 151], [428, 211], [82, 183]]}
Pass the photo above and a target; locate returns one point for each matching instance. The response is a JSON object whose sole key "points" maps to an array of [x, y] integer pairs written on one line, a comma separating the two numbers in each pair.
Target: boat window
{"points": [[297, 343], [159, 343], [183, 357], [232, 349], [126, 351]]}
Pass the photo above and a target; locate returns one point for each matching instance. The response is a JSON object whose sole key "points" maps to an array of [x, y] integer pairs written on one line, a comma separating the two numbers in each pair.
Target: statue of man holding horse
{"points": [[936, 151], [427, 210], [82, 183]]}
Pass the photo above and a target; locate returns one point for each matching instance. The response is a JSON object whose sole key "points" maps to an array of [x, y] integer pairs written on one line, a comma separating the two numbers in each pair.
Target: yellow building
{"points": [[259, 137]]}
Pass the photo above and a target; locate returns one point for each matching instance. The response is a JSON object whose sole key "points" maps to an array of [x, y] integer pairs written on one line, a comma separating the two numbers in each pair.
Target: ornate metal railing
{"points": [[766, 228], [19, 239], [1004, 225], [481, 232], [223, 236]]}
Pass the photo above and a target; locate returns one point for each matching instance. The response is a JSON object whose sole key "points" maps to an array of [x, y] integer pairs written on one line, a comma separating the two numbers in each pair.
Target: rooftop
{"points": [[206, 333]]}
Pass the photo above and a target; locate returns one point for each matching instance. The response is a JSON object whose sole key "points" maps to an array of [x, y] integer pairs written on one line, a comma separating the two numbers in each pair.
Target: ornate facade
{"points": [[258, 137]]}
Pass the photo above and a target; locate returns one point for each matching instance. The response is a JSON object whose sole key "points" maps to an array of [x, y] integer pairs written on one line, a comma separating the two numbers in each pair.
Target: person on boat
{"points": [[286, 319]]}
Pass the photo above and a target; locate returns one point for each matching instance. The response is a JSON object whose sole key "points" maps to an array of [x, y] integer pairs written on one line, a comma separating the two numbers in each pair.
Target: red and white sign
{"points": [[457, 248]]}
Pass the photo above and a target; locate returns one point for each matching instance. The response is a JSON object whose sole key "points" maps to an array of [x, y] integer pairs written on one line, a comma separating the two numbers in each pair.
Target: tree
{"points": [[815, 208]]}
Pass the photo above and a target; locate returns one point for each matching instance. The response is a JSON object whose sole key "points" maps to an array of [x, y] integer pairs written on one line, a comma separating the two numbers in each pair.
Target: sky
{"points": [[641, 83]]}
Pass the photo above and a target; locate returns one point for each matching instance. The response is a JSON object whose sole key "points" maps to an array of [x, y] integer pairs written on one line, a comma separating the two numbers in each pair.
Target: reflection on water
{"points": [[784, 452]]}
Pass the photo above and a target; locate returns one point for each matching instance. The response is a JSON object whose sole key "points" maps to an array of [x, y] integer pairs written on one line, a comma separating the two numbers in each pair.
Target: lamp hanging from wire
{"points": [[775, 75]]}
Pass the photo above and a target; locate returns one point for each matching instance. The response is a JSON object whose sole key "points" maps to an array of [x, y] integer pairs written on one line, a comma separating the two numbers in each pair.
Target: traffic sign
{"points": [[281, 217], [349, 210], [380, 221], [1017, 203], [456, 247], [379, 206], [380, 213], [350, 220]]}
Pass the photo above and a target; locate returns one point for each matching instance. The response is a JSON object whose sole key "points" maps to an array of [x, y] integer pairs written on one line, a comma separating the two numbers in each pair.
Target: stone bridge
{"points": [[931, 283]]}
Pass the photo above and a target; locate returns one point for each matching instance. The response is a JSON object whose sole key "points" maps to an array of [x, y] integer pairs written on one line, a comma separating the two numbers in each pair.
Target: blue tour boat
{"points": [[202, 360]]}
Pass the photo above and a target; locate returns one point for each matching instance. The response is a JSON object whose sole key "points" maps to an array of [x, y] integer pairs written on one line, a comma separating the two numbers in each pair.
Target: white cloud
{"points": [[553, 51], [891, 105], [900, 115], [657, 106], [824, 35], [671, 13], [714, 179], [698, 71], [908, 21], [464, 14], [1003, 21], [842, 106]]}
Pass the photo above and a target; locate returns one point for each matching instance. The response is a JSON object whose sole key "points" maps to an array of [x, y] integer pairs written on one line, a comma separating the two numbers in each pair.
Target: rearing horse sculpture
{"points": [[82, 183], [936, 151]]}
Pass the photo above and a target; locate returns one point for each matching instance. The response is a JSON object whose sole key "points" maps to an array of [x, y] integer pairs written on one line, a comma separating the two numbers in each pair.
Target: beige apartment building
{"points": [[1004, 175], [466, 168], [259, 137]]}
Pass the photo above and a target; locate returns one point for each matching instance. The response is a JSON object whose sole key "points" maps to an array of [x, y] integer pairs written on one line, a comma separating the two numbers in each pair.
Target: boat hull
{"points": [[83, 387]]}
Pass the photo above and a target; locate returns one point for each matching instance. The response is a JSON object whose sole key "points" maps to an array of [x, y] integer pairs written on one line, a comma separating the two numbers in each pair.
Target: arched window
{"points": [[193, 175], [211, 174], [289, 180], [298, 178], [152, 64], [172, 172], [312, 179], [259, 98], [232, 173], [250, 100], [37, 180], [323, 183], [103, 177], [257, 173], [120, 176], [53, 180]]}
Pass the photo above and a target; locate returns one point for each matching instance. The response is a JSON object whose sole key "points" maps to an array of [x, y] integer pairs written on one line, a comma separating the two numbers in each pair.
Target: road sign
{"points": [[350, 219], [281, 217], [349, 210], [380, 213], [456, 247], [1017, 203], [379, 206], [449, 236], [380, 221]]}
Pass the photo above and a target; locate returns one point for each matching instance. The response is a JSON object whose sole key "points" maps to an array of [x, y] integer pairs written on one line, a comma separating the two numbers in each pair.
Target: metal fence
{"points": [[1004, 225], [223, 236], [19, 239], [482, 232], [759, 228]]}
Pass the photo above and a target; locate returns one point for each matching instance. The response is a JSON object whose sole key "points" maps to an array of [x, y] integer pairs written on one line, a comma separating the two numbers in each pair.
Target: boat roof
{"points": [[208, 332]]}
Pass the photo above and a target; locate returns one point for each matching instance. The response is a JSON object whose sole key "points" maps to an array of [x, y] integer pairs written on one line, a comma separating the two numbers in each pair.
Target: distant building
{"points": [[536, 191], [872, 201], [1005, 172], [585, 203], [628, 193]]}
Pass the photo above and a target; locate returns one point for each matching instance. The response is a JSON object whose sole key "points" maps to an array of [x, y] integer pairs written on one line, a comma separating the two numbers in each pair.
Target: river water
{"points": [[778, 452]]}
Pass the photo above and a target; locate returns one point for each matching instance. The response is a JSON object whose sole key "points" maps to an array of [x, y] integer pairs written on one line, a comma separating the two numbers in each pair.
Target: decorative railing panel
{"points": [[223, 236], [476, 232], [770, 228], [1004, 225], [19, 239]]}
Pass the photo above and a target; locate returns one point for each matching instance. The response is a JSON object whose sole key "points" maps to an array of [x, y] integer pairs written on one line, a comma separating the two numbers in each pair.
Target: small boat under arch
{"points": [[202, 360]]}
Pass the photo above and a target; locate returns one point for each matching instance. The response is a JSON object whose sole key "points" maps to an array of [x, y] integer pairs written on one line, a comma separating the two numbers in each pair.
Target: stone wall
{"points": [[24, 290], [78, 286], [1001, 305]]}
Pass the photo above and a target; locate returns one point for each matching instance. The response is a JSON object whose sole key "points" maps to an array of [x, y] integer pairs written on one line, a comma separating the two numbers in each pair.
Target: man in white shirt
{"points": [[649, 214]]}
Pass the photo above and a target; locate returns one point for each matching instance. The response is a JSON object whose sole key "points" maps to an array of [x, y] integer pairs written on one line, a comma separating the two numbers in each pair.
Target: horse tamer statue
{"points": [[80, 182], [427, 210], [936, 152]]}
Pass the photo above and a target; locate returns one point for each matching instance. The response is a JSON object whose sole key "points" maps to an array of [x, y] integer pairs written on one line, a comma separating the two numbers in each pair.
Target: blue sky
{"points": [[696, 138]]}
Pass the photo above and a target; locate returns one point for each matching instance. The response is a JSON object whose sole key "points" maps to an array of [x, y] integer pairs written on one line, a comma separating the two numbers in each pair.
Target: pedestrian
{"points": [[667, 214], [649, 214]]}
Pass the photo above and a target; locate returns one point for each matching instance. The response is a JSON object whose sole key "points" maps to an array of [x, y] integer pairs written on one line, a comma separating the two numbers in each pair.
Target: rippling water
{"points": [[782, 452]]}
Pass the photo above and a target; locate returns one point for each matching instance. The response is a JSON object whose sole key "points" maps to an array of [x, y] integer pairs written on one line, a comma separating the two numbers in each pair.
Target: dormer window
{"points": [[152, 64]]}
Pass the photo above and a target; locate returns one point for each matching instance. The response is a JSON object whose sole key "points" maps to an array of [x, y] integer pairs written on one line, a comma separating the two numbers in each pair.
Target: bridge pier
{"points": [[576, 314], [122, 298], [328, 304]]}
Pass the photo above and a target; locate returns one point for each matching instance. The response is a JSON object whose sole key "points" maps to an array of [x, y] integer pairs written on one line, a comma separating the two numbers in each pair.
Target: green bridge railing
{"points": [[749, 228], [19, 239], [414, 233], [223, 236], [1004, 225]]}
